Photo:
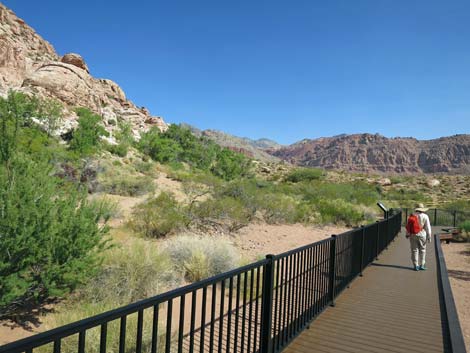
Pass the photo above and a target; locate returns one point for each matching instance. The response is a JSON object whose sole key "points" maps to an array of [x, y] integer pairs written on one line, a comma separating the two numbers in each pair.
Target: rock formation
{"points": [[30, 64], [376, 153]]}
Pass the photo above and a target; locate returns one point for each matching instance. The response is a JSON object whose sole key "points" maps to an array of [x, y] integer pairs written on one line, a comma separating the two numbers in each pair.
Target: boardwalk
{"points": [[391, 309]]}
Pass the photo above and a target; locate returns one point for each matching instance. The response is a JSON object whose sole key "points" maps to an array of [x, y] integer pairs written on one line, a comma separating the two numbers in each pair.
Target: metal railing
{"points": [[440, 217], [260, 307], [451, 319]]}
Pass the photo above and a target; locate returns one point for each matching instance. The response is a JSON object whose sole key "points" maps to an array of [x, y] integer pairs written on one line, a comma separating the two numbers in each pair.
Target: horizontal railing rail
{"points": [[260, 307], [451, 320], [442, 217]]}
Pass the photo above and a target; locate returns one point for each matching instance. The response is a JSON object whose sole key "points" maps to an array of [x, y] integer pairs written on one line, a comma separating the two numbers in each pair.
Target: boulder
{"points": [[75, 60], [433, 183]]}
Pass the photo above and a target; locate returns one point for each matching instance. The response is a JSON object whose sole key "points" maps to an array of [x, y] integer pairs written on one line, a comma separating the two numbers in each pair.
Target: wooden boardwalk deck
{"points": [[391, 309]]}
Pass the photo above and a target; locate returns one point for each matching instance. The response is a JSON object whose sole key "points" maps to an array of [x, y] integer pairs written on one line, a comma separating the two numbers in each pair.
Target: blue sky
{"points": [[285, 70]]}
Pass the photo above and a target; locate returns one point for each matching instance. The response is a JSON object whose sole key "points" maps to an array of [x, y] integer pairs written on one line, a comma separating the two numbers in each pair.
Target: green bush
{"points": [[356, 193], [225, 211], [158, 216], [229, 165], [16, 112], [338, 211], [458, 205], [465, 226], [304, 174], [200, 257], [50, 238], [125, 184], [161, 149], [86, 138], [178, 145], [407, 197], [124, 138]]}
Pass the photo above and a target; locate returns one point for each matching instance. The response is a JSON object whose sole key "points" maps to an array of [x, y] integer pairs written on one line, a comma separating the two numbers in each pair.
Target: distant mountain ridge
{"points": [[376, 153], [252, 148]]}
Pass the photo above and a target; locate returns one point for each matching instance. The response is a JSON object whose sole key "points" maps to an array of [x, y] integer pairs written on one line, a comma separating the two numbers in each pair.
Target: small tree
{"points": [[15, 113], [49, 234], [86, 138]]}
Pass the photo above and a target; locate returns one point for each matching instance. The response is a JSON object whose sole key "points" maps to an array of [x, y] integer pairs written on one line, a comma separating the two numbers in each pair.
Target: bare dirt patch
{"points": [[256, 240], [457, 257]]}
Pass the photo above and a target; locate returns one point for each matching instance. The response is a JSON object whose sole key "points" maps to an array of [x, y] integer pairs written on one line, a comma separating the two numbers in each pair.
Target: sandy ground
{"points": [[257, 240], [457, 257]]}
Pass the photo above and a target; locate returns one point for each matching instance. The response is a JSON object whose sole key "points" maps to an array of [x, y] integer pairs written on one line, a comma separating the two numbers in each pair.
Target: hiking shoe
{"points": [[417, 268], [422, 268]]}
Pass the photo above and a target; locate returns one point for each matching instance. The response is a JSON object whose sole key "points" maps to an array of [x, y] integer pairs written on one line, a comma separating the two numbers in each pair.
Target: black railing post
{"points": [[378, 241], [363, 235], [406, 214], [435, 217], [455, 219], [267, 305], [332, 272]]}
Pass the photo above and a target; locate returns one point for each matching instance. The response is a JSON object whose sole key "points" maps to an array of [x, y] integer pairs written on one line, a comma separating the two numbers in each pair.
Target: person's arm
{"points": [[427, 228]]}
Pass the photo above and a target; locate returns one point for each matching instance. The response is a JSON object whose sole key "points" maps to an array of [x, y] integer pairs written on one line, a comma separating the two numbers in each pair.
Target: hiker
{"points": [[418, 230]]}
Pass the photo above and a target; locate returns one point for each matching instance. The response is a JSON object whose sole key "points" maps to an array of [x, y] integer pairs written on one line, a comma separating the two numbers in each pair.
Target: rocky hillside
{"points": [[28, 63], [252, 148], [376, 153]]}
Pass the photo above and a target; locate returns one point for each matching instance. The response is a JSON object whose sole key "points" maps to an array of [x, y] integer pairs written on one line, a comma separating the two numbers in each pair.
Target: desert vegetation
{"points": [[182, 197]]}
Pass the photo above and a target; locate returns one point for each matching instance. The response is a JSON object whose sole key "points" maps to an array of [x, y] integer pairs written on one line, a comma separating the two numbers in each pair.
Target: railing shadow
{"points": [[409, 268]]}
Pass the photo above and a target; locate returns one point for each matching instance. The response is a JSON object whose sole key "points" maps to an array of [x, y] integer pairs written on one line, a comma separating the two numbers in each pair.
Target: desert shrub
{"points": [[119, 149], [407, 197], [199, 257], [229, 165], [161, 149], [279, 208], [458, 205], [125, 184], [304, 174], [338, 211], [125, 140], [136, 271], [16, 112], [86, 138], [49, 233], [224, 211], [159, 216], [356, 193], [465, 227], [144, 167]]}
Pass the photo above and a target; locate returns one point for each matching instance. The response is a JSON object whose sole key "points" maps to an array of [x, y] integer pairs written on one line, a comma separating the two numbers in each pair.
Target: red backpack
{"points": [[412, 225]]}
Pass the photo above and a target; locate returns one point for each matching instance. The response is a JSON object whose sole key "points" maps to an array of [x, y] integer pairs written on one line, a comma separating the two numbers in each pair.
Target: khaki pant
{"points": [[418, 249]]}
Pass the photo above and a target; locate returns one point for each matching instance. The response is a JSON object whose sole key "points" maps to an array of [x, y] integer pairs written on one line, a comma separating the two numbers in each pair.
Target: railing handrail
{"points": [[433, 215], [456, 338], [96, 320]]}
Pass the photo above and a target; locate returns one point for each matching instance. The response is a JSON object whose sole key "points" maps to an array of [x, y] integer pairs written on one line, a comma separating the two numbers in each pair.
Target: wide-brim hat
{"points": [[420, 207]]}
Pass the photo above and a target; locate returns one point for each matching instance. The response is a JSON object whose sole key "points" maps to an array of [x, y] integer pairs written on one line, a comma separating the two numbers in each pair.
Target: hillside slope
{"points": [[252, 148]]}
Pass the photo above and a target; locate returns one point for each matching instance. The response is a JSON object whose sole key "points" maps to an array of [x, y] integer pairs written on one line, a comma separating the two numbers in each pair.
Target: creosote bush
{"points": [[304, 174], [158, 216]]}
